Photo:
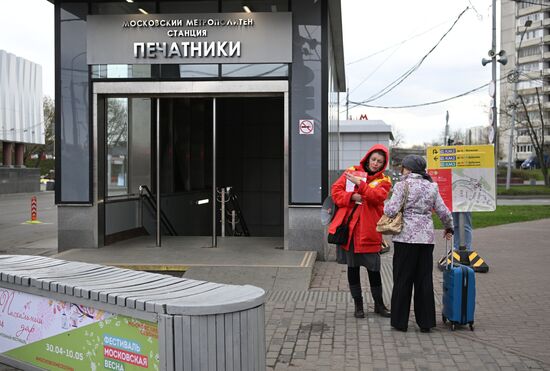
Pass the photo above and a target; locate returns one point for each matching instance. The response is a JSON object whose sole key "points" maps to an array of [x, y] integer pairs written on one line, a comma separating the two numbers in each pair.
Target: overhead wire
{"points": [[479, 16], [396, 44], [363, 104], [374, 71], [411, 70], [421, 104]]}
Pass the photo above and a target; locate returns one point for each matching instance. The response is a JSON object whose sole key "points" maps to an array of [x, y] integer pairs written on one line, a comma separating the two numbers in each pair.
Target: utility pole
{"points": [[347, 104], [446, 140], [494, 78], [493, 59]]}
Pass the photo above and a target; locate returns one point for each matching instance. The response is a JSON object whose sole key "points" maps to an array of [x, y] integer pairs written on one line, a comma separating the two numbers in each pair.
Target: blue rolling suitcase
{"points": [[459, 295]]}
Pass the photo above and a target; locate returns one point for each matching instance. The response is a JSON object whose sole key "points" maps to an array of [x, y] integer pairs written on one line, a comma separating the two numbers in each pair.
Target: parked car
{"points": [[533, 162], [48, 181], [394, 175]]}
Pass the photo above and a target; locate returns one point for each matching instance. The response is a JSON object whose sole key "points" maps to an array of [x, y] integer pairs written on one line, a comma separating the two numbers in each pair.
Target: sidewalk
{"points": [[316, 330]]}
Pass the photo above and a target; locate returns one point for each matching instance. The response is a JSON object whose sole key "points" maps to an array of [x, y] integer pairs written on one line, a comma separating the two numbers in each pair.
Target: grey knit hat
{"points": [[416, 164]]}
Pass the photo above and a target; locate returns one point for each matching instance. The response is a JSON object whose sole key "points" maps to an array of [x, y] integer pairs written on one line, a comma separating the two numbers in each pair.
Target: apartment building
{"points": [[525, 36]]}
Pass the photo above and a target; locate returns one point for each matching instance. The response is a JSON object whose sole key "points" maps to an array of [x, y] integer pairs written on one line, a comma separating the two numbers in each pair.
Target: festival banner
{"points": [[57, 335]]}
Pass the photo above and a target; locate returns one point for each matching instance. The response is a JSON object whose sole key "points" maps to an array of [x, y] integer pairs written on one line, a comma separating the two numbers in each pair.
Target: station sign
{"points": [[465, 176], [189, 38]]}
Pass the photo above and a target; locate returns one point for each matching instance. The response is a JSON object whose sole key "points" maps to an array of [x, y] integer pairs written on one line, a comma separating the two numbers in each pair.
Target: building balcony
{"points": [[528, 91], [533, 105], [534, 8], [533, 75], [532, 42], [529, 59], [526, 139]]}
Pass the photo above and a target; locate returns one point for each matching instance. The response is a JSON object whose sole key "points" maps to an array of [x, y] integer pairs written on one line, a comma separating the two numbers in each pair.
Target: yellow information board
{"points": [[465, 176], [445, 157]]}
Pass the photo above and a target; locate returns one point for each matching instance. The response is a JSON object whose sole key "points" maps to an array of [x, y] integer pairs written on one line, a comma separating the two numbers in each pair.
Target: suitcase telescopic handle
{"points": [[447, 252]]}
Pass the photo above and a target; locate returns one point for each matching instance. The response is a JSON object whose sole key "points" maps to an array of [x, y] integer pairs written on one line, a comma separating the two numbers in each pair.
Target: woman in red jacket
{"points": [[362, 190]]}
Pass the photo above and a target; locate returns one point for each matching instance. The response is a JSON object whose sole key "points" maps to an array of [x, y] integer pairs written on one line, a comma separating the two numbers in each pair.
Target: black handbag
{"points": [[341, 234]]}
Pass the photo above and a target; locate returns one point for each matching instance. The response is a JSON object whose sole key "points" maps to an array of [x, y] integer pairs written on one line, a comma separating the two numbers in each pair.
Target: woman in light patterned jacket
{"points": [[413, 247]]}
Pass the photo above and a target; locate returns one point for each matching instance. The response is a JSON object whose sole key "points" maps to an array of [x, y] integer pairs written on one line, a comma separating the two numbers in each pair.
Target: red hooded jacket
{"points": [[362, 227]]}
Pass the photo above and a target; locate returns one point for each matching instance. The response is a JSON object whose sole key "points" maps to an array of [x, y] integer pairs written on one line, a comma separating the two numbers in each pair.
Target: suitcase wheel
{"points": [[471, 326]]}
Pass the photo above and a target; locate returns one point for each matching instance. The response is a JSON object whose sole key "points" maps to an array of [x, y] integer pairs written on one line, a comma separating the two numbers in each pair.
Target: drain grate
{"points": [[309, 296]]}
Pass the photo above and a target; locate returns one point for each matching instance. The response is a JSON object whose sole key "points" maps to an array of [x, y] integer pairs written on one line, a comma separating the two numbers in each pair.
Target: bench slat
{"points": [[135, 290]]}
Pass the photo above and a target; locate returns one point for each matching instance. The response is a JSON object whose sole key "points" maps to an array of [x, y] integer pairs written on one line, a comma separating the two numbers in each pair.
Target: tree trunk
{"points": [[544, 171]]}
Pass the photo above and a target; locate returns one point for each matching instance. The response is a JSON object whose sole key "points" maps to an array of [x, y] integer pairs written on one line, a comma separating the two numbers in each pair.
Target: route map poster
{"points": [[57, 335], [465, 175]]}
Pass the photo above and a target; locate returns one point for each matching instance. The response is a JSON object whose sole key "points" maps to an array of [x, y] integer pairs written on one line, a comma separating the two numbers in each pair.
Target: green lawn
{"points": [[521, 173], [524, 190], [505, 215]]}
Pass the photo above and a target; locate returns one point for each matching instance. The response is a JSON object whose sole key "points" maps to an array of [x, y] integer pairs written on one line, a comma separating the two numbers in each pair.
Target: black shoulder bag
{"points": [[340, 236]]}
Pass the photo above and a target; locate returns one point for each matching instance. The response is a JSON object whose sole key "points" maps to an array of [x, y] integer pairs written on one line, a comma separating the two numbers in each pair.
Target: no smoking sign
{"points": [[306, 127]]}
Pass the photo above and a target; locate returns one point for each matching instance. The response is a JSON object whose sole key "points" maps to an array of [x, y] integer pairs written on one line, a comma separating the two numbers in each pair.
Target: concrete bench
{"points": [[69, 315]]}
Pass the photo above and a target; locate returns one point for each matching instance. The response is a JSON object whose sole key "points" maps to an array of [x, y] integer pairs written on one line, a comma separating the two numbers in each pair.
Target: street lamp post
{"points": [[514, 77], [446, 140], [493, 59]]}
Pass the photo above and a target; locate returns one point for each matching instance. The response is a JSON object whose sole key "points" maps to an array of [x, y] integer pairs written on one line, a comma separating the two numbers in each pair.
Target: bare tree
{"points": [[117, 128], [397, 137], [47, 149], [455, 136], [396, 142], [537, 138]]}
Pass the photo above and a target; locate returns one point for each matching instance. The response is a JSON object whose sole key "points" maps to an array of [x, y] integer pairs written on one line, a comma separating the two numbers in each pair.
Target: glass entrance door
{"points": [[125, 165], [156, 146], [128, 145], [167, 146], [186, 163]]}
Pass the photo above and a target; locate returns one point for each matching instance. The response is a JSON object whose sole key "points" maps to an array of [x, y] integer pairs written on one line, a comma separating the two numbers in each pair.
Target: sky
{"points": [[27, 30], [398, 32], [407, 30]]}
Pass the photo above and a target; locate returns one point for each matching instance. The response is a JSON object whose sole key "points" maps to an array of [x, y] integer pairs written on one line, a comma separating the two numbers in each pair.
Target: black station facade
{"points": [[221, 115]]}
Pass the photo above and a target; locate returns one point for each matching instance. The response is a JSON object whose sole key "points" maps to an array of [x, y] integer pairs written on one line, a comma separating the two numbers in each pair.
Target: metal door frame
{"points": [[212, 89]]}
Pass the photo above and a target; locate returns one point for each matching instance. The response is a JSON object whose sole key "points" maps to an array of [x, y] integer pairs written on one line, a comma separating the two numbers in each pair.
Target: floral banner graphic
{"points": [[59, 335]]}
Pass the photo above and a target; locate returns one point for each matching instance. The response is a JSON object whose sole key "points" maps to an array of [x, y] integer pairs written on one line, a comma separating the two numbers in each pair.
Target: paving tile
{"points": [[329, 337], [315, 329]]}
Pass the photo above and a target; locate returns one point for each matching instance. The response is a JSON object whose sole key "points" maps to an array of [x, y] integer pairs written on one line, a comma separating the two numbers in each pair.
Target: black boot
{"points": [[379, 306], [359, 311], [355, 290]]}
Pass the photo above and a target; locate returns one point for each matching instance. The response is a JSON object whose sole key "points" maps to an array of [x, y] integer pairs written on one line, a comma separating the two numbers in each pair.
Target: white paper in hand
{"points": [[350, 187]]}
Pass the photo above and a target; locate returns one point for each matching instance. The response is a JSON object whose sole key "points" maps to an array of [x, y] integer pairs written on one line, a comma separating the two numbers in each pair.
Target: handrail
{"points": [[229, 197], [234, 199], [152, 203]]}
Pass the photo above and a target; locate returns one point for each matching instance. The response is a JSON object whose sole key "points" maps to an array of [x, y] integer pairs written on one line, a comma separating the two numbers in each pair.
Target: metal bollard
{"points": [[34, 212], [33, 209]]}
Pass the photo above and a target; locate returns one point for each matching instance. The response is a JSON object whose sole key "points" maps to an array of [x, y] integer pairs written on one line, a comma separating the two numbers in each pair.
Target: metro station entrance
{"points": [[187, 148]]}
